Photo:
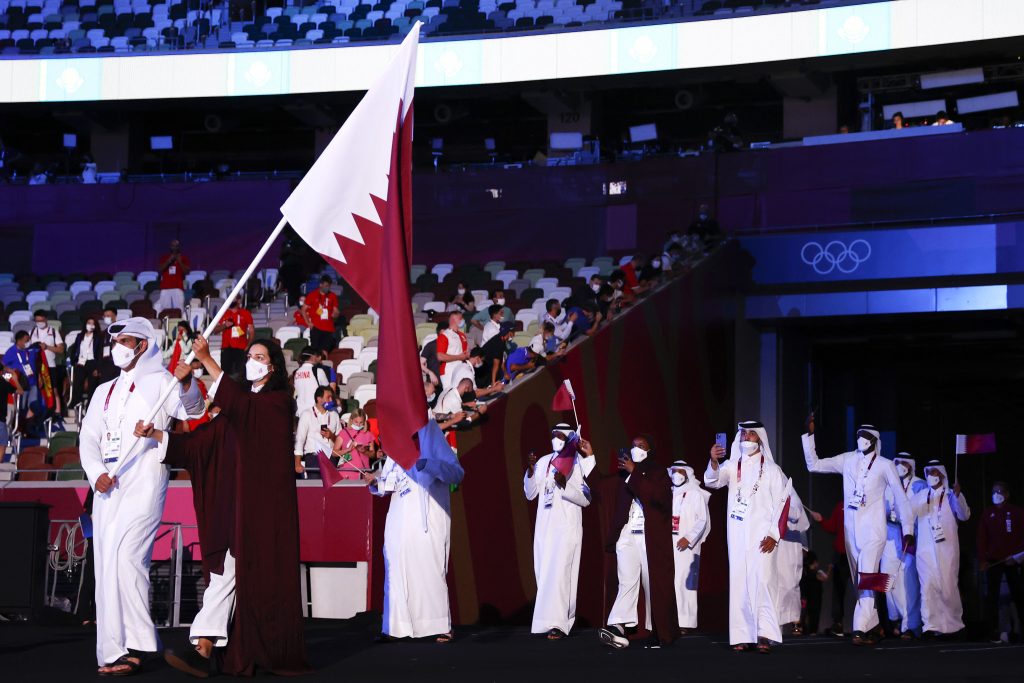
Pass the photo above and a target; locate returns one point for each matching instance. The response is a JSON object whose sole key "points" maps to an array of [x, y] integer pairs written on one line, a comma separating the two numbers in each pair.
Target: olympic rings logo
{"points": [[835, 256]]}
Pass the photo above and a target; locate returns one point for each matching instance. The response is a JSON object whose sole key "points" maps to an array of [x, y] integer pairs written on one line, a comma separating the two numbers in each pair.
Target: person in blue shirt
{"points": [[520, 362], [19, 357]]}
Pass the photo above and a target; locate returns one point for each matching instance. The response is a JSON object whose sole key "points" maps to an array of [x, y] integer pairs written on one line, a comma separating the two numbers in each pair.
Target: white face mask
{"points": [[748, 448], [90, 327], [998, 498], [557, 443], [637, 454], [934, 480], [902, 470], [461, 291], [122, 355], [596, 288], [656, 263], [198, 372], [864, 445], [255, 370], [107, 320], [358, 427], [430, 397], [678, 478], [499, 302], [41, 324]]}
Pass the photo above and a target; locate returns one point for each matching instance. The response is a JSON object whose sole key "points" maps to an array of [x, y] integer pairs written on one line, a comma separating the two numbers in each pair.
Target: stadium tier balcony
{"points": [[42, 27]]}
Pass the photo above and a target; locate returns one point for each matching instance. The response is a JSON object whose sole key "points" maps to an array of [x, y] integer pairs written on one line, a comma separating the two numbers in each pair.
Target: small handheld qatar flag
{"points": [[975, 444], [565, 459], [563, 397], [329, 474], [784, 517], [879, 582]]}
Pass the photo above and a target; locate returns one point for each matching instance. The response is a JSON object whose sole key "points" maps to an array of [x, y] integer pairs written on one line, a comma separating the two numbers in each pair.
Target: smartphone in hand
{"points": [[721, 439]]}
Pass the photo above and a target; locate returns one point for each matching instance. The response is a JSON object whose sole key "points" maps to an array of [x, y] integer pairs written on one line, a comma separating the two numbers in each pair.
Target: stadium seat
{"points": [[347, 367]]}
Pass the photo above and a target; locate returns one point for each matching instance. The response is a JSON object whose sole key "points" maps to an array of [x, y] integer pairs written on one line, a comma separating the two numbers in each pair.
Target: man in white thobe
{"points": [[558, 534], [904, 600], [757, 492], [866, 474], [790, 558], [690, 527], [130, 484], [417, 537], [939, 507]]}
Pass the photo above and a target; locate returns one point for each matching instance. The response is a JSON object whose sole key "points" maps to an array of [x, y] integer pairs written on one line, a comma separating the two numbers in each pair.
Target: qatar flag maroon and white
{"points": [[355, 208]]}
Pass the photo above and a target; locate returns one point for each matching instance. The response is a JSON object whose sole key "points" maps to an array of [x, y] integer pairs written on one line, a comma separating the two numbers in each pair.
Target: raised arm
{"points": [[833, 465], [531, 480], [958, 504]]}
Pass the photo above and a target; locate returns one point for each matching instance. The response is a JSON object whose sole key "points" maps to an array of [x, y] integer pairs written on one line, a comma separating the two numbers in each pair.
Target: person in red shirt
{"points": [[321, 312], [173, 269], [452, 348], [1000, 540], [237, 330], [840, 565]]}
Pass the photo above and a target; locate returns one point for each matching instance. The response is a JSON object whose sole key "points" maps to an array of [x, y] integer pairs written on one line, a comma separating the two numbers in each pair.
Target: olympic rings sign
{"points": [[835, 256]]}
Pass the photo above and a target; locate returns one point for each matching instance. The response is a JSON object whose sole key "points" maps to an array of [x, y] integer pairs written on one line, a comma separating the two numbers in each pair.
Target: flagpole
{"points": [[209, 329]]}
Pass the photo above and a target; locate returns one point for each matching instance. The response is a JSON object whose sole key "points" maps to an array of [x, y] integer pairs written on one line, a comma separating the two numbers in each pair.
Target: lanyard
{"points": [[739, 477], [941, 497], [110, 392], [864, 477]]}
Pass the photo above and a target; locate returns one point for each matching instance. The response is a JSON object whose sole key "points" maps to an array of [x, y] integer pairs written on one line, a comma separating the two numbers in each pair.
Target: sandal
{"points": [[443, 638], [798, 630], [763, 647], [132, 663], [742, 647], [555, 634]]}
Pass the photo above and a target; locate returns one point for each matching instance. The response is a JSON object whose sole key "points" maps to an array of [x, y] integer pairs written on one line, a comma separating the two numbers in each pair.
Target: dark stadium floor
{"points": [[346, 652]]}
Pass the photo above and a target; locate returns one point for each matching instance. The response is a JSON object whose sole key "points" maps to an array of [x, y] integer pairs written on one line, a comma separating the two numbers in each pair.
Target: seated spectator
{"points": [[460, 398], [430, 389], [462, 299], [584, 322], [520, 362], [429, 351], [607, 304], [10, 386], [897, 121], [674, 238], [109, 317], [942, 119], [482, 317], [475, 364], [491, 368], [493, 325], [557, 317], [306, 379], [85, 356], [551, 348], [318, 427], [651, 273], [452, 347], [705, 227]]}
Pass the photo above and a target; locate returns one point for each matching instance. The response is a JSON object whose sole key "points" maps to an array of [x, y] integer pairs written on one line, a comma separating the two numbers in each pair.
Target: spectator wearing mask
{"points": [[551, 348], [705, 227], [470, 371], [493, 325], [621, 296], [939, 508], [50, 343], [558, 319], [460, 398], [22, 359], [298, 318], [322, 313], [520, 362], [318, 427], [1001, 554], [589, 291], [197, 372], [85, 356], [492, 356], [429, 352], [354, 446], [632, 271], [307, 380], [481, 317], [109, 317], [174, 266], [237, 331], [584, 322], [452, 348], [462, 300]]}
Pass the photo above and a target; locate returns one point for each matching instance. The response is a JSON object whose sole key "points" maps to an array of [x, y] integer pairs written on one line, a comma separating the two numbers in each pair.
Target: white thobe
{"points": [[126, 519], [632, 571], [417, 536], [938, 561], [865, 478], [790, 559], [690, 520], [752, 573], [904, 600], [557, 543]]}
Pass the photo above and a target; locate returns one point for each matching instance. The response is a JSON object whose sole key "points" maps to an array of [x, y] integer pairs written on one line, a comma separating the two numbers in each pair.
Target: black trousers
{"points": [[232, 361], [810, 612], [840, 582], [993, 581], [321, 340], [82, 382]]}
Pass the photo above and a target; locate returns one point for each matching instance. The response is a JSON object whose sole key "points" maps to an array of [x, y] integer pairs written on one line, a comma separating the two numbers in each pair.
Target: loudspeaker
{"points": [[23, 535]]}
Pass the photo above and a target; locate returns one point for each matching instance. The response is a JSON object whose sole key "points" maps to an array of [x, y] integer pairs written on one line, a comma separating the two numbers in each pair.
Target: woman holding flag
{"points": [[558, 480]]}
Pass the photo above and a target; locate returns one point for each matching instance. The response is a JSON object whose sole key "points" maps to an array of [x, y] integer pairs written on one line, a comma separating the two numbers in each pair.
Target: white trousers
{"points": [[170, 298], [631, 567], [214, 619]]}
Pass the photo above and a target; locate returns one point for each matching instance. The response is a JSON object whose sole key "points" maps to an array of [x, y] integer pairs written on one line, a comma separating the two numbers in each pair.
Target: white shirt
{"points": [[85, 348], [450, 401], [307, 379], [50, 337], [563, 327], [307, 436], [491, 329]]}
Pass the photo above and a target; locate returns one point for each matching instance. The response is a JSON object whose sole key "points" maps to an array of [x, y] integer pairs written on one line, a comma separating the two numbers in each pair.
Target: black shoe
{"points": [[191, 662], [614, 636]]}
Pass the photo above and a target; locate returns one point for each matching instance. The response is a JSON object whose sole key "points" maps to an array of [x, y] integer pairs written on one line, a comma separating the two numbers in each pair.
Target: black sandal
{"points": [[763, 647], [741, 647], [555, 634], [124, 660], [443, 638]]}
